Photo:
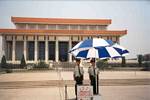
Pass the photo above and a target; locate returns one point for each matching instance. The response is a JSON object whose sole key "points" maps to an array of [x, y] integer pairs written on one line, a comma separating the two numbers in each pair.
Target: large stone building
{"points": [[49, 39]]}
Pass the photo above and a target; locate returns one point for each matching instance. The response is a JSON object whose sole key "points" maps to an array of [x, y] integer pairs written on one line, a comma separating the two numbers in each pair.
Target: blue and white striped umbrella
{"points": [[98, 48], [90, 43], [98, 52], [123, 51]]}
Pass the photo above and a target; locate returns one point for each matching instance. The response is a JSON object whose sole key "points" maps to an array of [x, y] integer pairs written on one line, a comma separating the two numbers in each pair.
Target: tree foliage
{"points": [[102, 64], [23, 62], [123, 62], [3, 62], [140, 59]]}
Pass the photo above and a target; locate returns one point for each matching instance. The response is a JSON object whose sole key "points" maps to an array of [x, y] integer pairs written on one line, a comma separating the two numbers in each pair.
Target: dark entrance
{"points": [[63, 51], [51, 50], [41, 50], [30, 50], [9, 50]]}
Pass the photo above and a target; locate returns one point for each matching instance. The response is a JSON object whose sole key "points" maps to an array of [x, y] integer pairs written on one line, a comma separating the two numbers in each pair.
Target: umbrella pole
{"points": [[97, 80], [97, 84], [95, 77]]}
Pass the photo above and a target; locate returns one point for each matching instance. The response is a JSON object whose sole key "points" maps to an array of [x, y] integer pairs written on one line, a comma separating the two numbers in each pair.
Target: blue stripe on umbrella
{"points": [[103, 52], [120, 51], [110, 42], [125, 51], [117, 57], [82, 54], [86, 43], [89, 43]]}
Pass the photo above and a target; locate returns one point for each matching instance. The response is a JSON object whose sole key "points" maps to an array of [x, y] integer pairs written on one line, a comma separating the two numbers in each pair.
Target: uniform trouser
{"points": [[93, 83], [79, 81]]}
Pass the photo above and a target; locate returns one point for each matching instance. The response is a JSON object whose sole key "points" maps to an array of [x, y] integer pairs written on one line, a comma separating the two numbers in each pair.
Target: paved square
{"points": [[41, 86]]}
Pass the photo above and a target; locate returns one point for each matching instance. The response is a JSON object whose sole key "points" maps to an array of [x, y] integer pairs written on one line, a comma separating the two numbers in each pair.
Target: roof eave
{"points": [[65, 32], [28, 20]]}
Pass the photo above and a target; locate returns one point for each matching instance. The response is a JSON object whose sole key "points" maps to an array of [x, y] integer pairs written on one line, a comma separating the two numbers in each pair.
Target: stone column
{"points": [[13, 49], [57, 53], [70, 46], [46, 49], [35, 49], [3, 44], [25, 48]]}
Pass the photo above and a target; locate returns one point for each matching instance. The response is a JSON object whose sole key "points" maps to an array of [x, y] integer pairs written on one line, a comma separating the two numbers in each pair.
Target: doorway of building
{"points": [[63, 51], [51, 50], [41, 50], [30, 50]]}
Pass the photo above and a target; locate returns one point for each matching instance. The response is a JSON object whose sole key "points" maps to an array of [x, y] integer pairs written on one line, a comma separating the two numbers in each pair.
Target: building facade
{"points": [[49, 39]]}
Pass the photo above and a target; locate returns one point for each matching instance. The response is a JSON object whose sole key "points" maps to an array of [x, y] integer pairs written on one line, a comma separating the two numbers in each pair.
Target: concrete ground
{"points": [[55, 93], [68, 75], [121, 92]]}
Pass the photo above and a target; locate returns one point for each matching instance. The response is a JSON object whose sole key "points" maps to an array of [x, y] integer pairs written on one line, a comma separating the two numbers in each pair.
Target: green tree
{"points": [[140, 59], [3, 62], [102, 64], [41, 64], [123, 62], [23, 62]]}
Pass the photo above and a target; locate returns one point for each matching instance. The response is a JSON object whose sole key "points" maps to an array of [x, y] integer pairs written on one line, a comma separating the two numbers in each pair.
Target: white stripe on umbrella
{"points": [[98, 48], [112, 52], [123, 51], [92, 53], [118, 46], [90, 43], [76, 46], [100, 42], [101, 52]]}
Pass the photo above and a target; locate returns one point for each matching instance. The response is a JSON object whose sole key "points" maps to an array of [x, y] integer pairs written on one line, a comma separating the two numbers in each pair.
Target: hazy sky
{"points": [[125, 14]]}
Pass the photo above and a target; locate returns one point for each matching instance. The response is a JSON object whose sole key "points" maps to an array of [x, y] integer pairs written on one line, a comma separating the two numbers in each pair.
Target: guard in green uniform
{"points": [[78, 75], [93, 76]]}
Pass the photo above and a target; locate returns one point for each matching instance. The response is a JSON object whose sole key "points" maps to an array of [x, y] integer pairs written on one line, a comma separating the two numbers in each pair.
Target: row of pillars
{"points": [[36, 51]]}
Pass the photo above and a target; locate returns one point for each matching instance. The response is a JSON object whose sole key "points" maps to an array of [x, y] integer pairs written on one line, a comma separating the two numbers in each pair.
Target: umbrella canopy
{"points": [[98, 52], [90, 43], [98, 48], [123, 51]]}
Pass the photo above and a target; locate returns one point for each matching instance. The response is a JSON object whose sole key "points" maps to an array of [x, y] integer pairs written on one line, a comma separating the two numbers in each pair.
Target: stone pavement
{"points": [[71, 83], [47, 85], [68, 75], [55, 93], [120, 92]]}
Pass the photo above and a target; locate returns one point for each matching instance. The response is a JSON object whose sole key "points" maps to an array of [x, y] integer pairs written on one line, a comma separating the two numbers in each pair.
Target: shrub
{"points": [[146, 65], [41, 65], [140, 59], [23, 62], [123, 62], [146, 57], [3, 62], [101, 64], [30, 66], [8, 70]]}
